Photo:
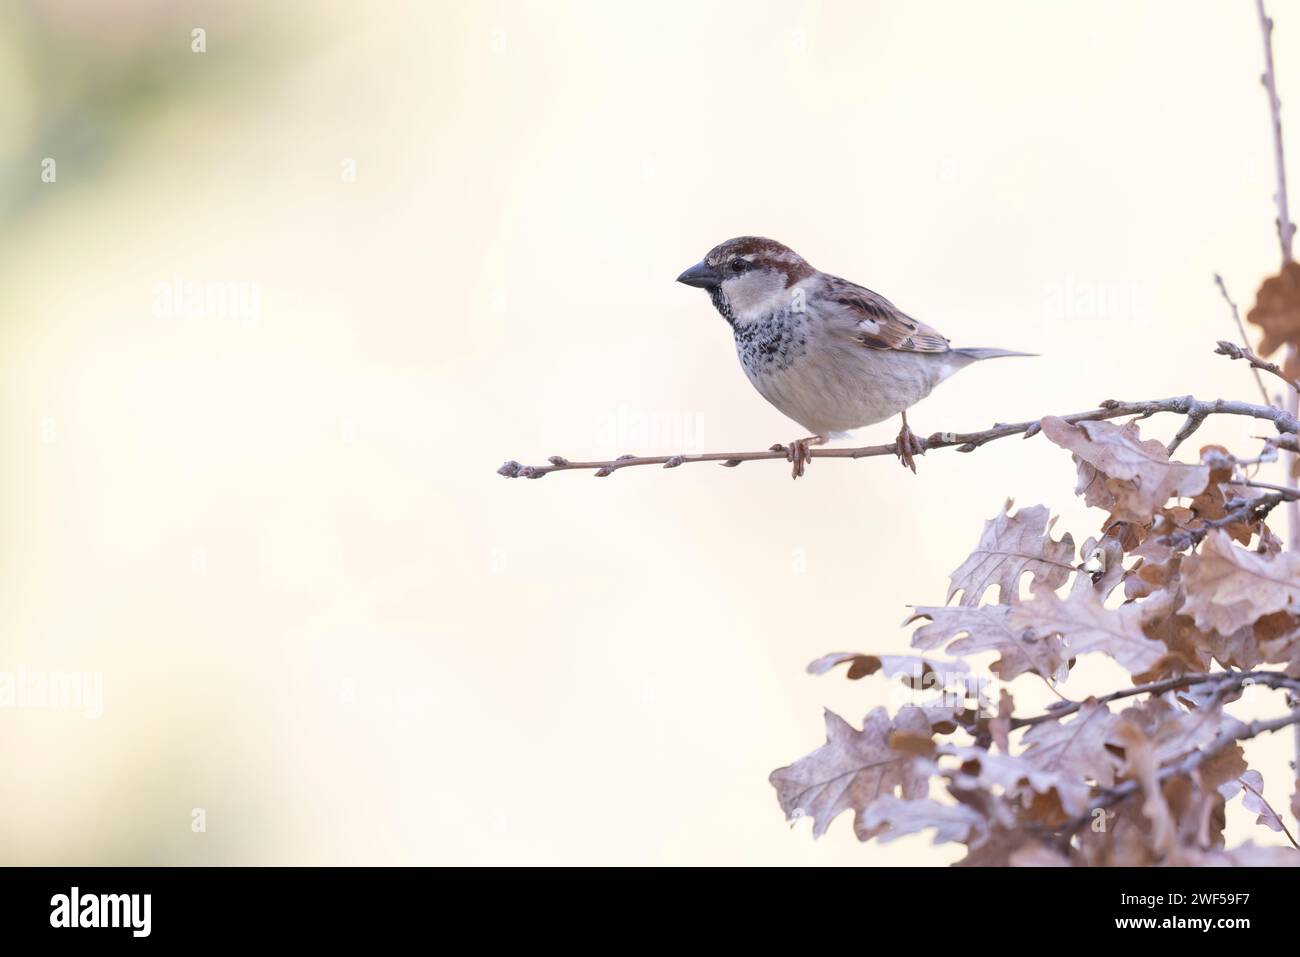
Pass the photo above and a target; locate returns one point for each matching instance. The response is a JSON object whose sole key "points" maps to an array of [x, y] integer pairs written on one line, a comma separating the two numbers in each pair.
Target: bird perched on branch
{"points": [[830, 354]]}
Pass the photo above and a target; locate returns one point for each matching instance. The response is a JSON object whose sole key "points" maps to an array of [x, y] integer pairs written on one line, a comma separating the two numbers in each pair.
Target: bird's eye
{"points": [[739, 265]]}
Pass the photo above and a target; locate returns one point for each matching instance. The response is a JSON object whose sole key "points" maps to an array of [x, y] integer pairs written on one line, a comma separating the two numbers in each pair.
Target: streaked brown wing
{"points": [[879, 324]]}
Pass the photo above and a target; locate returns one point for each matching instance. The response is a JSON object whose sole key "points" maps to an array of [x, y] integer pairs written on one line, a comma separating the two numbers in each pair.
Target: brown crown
{"points": [[764, 254]]}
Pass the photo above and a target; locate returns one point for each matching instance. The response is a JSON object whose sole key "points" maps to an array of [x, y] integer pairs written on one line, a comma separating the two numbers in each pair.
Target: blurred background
{"points": [[280, 295]]}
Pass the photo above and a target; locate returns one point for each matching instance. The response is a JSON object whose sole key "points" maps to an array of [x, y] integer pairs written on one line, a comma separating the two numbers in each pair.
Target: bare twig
{"points": [[1250, 512], [1266, 457], [1285, 228], [1287, 443], [1224, 679], [1236, 317], [1292, 494], [1234, 351], [1196, 411]]}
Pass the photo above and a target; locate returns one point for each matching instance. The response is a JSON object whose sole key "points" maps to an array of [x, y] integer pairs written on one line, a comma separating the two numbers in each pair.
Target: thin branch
{"points": [[1291, 494], [1226, 680], [1196, 411], [1266, 457], [1236, 317], [1285, 228], [1234, 351], [1287, 443], [1251, 511]]}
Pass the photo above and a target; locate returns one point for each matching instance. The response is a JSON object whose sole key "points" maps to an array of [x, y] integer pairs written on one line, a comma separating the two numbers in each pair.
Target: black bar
{"points": [[205, 906]]}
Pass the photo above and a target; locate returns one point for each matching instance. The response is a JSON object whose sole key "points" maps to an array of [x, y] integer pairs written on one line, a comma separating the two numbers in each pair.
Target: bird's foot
{"points": [[908, 445], [798, 453]]}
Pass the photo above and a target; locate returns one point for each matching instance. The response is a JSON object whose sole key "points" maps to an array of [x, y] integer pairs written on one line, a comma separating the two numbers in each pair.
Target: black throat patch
{"points": [[721, 304]]}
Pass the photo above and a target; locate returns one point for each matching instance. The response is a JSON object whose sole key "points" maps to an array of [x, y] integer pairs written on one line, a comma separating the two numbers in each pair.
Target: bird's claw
{"points": [[908, 445], [797, 453]]}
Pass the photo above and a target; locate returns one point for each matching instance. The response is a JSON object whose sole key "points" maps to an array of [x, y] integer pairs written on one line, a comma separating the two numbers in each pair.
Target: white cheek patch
{"points": [[756, 294]]}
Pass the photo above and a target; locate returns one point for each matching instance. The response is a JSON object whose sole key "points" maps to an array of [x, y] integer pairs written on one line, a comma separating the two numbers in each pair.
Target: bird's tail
{"points": [[976, 354]]}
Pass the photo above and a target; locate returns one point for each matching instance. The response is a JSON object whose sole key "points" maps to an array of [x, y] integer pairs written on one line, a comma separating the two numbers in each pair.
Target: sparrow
{"points": [[828, 353]]}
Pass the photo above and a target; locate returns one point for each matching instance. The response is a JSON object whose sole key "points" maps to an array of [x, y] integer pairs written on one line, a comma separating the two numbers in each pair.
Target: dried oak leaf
{"points": [[999, 848], [948, 712], [1010, 546], [1277, 309], [1167, 733], [1198, 813], [1269, 543], [1136, 477], [1188, 649], [1044, 797], [1087, 625], [1250, 784], [853, 769], [1228, 588], [967, 630], [1277, 639], [1220, 771], [1140, 764], [1212, 503], [1150, 575], [1175, 731], [920, 672], [1103, 561], [892, 817], [1076, 747], [1237, 650], [1120, 839]]}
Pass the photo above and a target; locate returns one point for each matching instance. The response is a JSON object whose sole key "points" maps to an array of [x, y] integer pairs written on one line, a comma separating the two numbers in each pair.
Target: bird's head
{"points": [[748, 277]]}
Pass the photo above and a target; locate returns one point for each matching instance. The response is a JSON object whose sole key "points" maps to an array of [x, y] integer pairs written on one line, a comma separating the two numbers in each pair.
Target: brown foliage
{"points": [[1187, 589]]}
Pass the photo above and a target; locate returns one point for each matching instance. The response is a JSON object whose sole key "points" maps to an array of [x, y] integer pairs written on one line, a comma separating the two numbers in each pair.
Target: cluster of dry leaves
{"points": [[1186, 587]]}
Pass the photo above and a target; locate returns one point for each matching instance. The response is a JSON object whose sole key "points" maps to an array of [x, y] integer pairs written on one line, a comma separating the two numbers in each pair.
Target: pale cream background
{"points": [[319, 613]]}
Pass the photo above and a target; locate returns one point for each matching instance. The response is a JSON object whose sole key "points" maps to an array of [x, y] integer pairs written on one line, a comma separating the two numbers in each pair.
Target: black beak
{"points": [[702, 276]]}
